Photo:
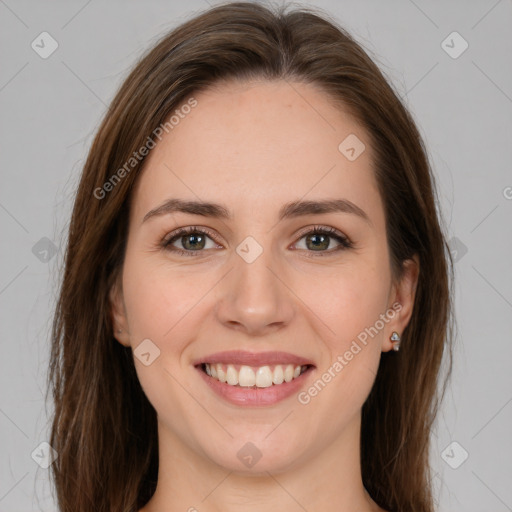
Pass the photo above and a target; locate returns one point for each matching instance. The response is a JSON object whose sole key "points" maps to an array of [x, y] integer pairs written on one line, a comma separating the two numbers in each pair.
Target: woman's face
{"points": [[249, 289]]}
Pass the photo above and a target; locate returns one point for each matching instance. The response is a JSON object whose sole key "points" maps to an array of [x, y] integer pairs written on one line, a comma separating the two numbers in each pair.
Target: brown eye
{"points": [[320, 240], [187, 241], [317, 241], [193, 242]]}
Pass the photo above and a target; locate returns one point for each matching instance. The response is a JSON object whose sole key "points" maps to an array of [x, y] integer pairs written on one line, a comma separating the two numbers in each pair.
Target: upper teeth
{"points": [[262, 377]]}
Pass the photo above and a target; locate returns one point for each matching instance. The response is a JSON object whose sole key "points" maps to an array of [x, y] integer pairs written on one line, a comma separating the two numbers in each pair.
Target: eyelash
{"points": [[344, 242]]}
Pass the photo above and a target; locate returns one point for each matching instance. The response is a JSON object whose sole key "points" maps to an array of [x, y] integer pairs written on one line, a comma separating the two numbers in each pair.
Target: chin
{"points": [[255, 455]]}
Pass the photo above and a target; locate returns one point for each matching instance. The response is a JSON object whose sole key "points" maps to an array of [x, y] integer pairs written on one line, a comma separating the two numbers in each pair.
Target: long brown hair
{"points": [[104, 428]]}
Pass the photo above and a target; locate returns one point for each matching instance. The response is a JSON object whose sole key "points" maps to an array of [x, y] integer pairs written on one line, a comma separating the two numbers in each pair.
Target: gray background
{"points": [[51, 108]]}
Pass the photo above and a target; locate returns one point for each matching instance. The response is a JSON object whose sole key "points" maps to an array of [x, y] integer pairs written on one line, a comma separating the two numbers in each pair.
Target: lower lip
{"points": [[251, 396]]}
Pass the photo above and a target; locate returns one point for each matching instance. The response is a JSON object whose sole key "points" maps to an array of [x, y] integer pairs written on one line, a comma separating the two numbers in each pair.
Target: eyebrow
{"points": [[288, 211]]}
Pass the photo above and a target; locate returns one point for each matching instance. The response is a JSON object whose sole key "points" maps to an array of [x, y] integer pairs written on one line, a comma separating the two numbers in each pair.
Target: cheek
{"points": [[167, 306], [350, 302], [157, 298], [161, 308], [351, 307], [347, 299]]}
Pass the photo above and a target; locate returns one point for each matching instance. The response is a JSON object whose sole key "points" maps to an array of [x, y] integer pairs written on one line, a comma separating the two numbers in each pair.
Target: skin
{"points": [[254, 147]]}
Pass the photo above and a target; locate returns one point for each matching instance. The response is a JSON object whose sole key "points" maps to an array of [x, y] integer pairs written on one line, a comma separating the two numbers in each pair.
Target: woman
{"points": [[255, 301]]}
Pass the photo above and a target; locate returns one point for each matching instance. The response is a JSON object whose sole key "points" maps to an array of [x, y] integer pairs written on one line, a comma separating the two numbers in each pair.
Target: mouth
{"points": [[245, 378], [253, 377]]}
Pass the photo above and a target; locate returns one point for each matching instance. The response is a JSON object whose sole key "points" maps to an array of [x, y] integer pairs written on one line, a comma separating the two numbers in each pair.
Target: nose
{"points": [[254, 298]]}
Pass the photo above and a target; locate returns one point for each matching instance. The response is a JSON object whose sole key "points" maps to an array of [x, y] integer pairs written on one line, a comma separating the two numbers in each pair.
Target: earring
{"points": [[119, 331], [395, 338]]}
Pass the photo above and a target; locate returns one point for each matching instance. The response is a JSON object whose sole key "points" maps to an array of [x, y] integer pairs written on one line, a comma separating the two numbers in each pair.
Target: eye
{"points": [[189, 240], [192, 240], [319, 240]]}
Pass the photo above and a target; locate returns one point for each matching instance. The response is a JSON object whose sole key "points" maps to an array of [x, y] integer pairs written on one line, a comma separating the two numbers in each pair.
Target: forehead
{"points": [[257, 145]]}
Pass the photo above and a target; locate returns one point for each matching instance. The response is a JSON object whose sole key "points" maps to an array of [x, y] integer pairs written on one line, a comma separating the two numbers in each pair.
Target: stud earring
{"points": [[119, 331], [395, 338]]}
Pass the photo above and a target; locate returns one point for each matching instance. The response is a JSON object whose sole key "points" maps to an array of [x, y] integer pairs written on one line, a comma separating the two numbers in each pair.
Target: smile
{"points": [[248, 376], [254, 378]]}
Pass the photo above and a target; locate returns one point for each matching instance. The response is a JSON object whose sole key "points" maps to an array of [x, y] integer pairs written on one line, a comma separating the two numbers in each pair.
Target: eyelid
{"points": [[188, 230], [343, 240], [320, 228]]}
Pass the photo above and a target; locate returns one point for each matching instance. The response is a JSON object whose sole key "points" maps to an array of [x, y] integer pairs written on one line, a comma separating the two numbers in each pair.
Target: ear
{"points": [[402, 293], [118, 315]]}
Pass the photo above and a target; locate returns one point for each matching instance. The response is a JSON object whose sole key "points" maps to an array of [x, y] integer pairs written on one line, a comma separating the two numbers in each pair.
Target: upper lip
{"points": [[253, 358]]}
